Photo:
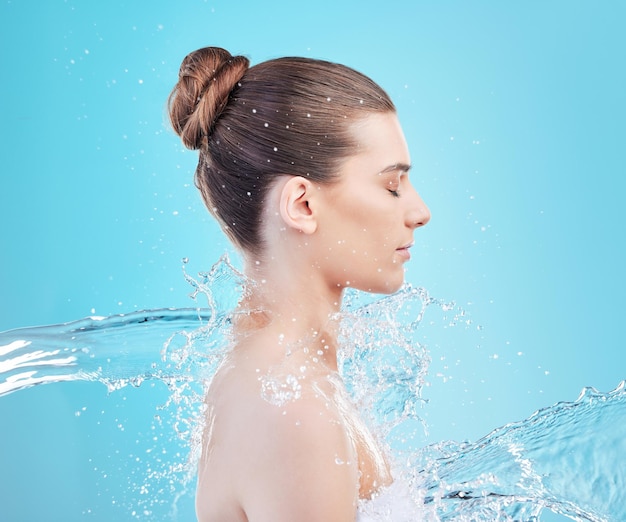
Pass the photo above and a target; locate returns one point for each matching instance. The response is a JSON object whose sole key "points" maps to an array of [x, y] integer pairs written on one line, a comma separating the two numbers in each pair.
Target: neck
{"points": [[294, 306]]}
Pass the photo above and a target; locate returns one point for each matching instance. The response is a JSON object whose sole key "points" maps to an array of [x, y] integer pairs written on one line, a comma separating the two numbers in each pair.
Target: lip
{"points": [[404, 251]]}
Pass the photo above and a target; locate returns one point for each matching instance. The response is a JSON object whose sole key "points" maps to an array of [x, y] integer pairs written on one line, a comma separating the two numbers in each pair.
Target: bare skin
{"points": [[282, 440]]}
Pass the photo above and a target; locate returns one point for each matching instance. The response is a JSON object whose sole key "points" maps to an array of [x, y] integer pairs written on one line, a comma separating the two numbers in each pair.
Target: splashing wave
{"points": [[567, 457]]}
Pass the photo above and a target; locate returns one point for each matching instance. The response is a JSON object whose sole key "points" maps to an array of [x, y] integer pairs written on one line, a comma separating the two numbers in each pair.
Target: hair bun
{"points": [[205, 80]]}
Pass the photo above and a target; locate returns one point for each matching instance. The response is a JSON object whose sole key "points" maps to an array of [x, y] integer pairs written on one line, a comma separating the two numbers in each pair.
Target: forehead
{"points": [[380, 142]]}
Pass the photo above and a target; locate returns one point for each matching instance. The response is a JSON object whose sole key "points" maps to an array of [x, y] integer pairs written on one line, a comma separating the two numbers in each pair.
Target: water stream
{"points": [[567, 457]]}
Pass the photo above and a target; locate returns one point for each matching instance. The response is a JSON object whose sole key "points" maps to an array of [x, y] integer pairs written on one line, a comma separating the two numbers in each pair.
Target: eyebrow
{"points": [[396, 166]]}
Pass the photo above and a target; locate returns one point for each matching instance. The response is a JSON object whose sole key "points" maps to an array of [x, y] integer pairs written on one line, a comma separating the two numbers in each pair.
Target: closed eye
{"points": [[392, 187], [394, 174]]}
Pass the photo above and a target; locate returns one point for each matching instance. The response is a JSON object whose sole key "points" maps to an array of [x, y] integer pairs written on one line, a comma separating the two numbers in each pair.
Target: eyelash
{"points": [[395, 192]]}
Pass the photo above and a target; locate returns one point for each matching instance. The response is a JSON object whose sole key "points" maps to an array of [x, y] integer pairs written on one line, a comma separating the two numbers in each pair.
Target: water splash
{"points": [[118, 350], [170, 344], [567, 458]]}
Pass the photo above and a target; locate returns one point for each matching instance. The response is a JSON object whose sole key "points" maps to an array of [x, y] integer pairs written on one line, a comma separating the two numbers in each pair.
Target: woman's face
{"points": [[368, 216]]}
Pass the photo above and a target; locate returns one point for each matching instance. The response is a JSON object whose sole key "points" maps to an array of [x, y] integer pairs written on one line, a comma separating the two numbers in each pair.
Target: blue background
{"points": [[514, 113]]}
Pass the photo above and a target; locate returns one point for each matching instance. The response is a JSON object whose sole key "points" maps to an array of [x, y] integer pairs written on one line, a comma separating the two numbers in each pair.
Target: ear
{"points": [[295, 204]]}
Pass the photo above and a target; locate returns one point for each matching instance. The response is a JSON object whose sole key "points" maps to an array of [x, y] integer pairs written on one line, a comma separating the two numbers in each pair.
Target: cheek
{"points": [[376, 227], [361, 224], [370, 213]]}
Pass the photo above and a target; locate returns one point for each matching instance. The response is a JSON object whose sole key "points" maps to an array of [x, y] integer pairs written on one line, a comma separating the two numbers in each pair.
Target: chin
{"points": [[385, 282], [392, 289], [384, 287]]}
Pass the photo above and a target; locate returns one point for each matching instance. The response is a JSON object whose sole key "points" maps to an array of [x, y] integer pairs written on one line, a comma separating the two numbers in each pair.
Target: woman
{"points": [[304, 164]]}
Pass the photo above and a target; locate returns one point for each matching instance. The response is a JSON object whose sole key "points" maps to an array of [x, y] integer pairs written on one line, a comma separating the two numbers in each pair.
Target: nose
{"points": [[417, 214]]}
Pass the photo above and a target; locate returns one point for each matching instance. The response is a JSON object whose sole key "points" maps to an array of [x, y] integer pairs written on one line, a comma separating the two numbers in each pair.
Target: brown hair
{"points": [[251, 125]]}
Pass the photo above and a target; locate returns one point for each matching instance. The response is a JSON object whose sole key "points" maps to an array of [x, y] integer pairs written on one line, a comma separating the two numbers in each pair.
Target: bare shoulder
{"points": [[276, 436]]}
